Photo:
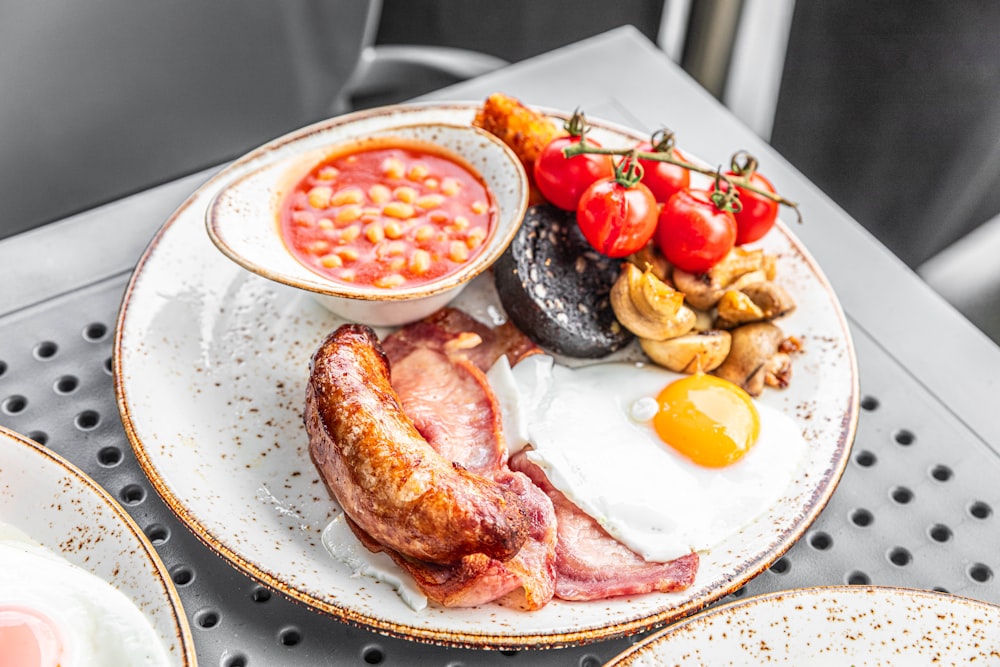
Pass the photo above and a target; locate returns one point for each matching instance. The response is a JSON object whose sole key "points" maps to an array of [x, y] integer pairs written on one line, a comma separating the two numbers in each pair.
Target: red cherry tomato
{"points": [[662, 178], [758, 213], [693, 233], [562, 180], [617, 220]]}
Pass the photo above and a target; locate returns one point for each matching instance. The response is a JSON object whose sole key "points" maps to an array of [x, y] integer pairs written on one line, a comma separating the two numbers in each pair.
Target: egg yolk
{"points": [[28, 638], [711, 421]]}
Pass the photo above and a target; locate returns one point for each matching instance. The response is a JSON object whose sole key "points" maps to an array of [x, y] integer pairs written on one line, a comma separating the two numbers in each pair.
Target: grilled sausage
{"points": [[383, 473]]}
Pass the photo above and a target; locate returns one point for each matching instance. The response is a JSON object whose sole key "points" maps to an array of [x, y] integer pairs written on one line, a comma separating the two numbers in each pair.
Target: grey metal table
{"points": [[917, 505]]}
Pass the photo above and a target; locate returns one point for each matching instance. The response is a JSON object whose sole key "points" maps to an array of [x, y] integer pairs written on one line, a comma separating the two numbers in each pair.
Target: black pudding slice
{"points": [[555, 287]]}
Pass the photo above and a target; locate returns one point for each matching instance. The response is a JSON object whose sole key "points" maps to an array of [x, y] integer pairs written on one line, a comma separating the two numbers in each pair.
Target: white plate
{"points": [[65, 511], [837, 626], [211, 363]]}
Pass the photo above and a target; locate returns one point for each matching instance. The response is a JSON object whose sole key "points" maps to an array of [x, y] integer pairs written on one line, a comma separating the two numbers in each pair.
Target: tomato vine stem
{"points": [[583, 146], [628, 171]]}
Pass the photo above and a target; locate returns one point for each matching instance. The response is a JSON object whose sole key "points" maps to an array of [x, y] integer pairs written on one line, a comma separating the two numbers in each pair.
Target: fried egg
{"points": [[53, 613], [665, 468]]}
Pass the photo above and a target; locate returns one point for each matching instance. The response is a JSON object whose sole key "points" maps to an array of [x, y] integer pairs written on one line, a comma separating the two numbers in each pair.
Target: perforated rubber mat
{"points": [[917, 505]]}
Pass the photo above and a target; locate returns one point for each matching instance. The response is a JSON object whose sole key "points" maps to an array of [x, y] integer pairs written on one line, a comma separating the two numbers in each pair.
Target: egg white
{"points": [[589, 429], [98, 625]]}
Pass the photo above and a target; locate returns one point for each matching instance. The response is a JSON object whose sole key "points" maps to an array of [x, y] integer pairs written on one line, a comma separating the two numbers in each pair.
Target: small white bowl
{"points": [[243, 218]]}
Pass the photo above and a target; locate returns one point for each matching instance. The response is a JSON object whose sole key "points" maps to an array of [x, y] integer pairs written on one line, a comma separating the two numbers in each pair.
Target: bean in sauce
{"points": [[388, 215]]}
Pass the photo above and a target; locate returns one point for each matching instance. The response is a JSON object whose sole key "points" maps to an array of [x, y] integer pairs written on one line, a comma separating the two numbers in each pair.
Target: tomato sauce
{"points": [[388, 214]]}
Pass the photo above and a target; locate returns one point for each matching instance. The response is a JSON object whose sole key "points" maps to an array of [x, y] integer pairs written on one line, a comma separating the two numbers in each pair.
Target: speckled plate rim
{"points": [[181, 645], [673, 607], [762, 611]]}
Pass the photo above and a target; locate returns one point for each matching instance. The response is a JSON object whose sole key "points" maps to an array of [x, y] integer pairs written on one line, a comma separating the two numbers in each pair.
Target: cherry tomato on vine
{"points": [[617, 219], [693, 233], [663, 178], [562, 180], [758, 212]]}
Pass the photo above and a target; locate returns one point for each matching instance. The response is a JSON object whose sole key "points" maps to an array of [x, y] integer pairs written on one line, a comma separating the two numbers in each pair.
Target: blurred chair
{"points": [[387, 73], [511, 29], [101, 98]]}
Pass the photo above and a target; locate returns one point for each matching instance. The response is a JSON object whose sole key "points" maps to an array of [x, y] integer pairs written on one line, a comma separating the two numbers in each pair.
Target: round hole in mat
{"points": [[260, 594], [158, 534], [862, 517], [781, 566], [182, 575], [940, 589], [373, 655], [109, 366], [290, 637], [820, 541], [901, 495], [207, 618], [133, 494], [3, 367], [869, 403], [509, 653], [234, 660], [87, 420], [900, 556], [13, 405], [591, 661], [904, 437], [858, 578], [45, 350], [941, 473], [865, 458], [980, 510], [939, 532], [41, 437], [980, 572], [66, 384], [95, 331], [739, 592], [109, 456]]}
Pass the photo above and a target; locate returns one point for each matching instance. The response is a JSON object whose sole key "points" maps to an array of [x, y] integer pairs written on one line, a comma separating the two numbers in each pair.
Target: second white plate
{"points": [[834, 626], [57, 506]]}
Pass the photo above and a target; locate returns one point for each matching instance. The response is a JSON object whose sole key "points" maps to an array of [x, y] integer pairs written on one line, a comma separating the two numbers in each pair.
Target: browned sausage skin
{"points": [[383, 473]]}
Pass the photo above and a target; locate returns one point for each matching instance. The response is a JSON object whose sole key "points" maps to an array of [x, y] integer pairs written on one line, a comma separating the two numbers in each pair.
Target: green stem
{"points": [[628, 171], [583, 146], [725, 199]]}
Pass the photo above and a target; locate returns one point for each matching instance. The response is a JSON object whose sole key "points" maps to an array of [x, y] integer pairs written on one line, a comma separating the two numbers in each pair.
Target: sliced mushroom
{"points": [[702, 351], [647, 306], [758, 276], [773, 300], [704, 290], [752, 303], [649, 257], [778, 370], [738, 262], [770, 266], [749, 363], [699, 290], [737, 308], [703, 320]]}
